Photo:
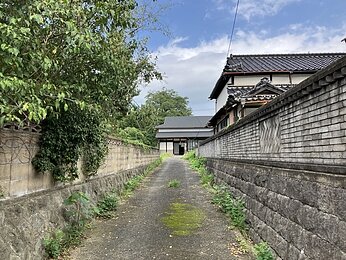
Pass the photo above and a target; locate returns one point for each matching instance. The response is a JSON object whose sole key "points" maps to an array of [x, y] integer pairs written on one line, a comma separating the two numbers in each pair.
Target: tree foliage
{"points": [[71, 65], [152, 113], [167, 102], [57, 52], [132, 135]]}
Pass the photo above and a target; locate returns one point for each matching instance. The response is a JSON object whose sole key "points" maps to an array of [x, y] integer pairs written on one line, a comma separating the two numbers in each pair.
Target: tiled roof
{"points": [[250, 93], [239, 91], [281, 62], [260, 98], [273, 63], [266, 84], [247, 91], [185, 122]]}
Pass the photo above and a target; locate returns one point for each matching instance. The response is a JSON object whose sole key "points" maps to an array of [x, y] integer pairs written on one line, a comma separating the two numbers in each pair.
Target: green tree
{"points": [[167, 102], [158, 105], [57, 52], [132, 134], [71, 65]]}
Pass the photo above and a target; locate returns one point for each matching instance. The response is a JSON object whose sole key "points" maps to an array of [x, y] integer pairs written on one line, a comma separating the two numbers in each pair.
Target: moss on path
{"points": [[183, 219]]}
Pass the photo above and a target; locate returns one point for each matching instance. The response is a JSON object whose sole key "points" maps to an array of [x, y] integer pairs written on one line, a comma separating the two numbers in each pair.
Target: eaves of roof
{"points": [[185, 135], [179, 127], [178, 122], [219, 85], [222, 111]]}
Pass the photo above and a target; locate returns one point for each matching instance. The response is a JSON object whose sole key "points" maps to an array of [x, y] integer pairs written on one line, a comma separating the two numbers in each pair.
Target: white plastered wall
{"points": [[221, 99], [297, 78], [281, 79], [249, 80]]}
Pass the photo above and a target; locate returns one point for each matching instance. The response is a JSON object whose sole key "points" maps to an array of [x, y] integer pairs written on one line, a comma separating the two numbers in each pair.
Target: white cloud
{"points": [[193, 72], [254, 8], [295, 39]]}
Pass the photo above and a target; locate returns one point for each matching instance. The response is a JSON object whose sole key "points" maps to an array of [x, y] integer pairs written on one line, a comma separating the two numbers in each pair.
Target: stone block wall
{"points": [[301, 214], [287, 160], [26, 220]]}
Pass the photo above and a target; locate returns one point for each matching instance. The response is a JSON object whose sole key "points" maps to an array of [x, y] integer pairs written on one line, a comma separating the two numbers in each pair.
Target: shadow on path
{"points": [[139, 231]]}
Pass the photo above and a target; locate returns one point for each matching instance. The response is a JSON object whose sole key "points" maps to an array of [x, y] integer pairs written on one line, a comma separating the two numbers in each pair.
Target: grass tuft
{"points": [[263, 252], [174, 183]]}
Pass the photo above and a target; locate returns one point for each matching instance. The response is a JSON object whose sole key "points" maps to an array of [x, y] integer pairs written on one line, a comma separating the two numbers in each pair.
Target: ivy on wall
{"points": [[76, 133]]}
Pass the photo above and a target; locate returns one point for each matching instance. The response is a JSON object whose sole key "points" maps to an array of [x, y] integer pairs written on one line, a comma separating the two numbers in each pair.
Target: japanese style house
{"points": [[180, 134], [249, 81]]}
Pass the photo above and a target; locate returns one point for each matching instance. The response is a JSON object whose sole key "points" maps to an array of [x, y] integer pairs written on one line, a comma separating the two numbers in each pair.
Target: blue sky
{"points": [[193, 56]]}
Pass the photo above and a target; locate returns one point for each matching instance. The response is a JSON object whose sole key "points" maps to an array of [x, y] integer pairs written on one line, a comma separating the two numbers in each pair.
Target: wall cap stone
{"points": [[334, 169], [325, 178]]}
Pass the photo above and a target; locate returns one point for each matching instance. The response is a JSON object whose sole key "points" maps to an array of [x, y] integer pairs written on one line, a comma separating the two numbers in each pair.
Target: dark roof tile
{"points": [[245, 91], [185, 122], [280, 62]]}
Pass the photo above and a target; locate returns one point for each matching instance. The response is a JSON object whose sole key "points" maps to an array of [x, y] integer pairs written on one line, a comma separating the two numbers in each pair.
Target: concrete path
{"points": [[140, 232]]}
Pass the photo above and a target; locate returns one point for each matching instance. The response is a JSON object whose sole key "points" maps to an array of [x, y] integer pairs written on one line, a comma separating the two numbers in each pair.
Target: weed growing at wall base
{"points": [[233, 207], [54, 244], [78, 213], [131, 185], [135, 181], [263, 252], [198, 164], [107, 206]]}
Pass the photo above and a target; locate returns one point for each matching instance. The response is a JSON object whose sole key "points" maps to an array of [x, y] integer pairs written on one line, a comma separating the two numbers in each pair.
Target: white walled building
{"points": [[179, 134]]}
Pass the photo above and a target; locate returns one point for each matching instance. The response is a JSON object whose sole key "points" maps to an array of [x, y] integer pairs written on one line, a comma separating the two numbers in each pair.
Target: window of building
{"points": [[223, 123]]}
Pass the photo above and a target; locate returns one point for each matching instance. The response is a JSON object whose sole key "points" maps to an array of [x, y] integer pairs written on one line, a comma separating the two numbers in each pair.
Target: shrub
{"points": [[54, 244]]}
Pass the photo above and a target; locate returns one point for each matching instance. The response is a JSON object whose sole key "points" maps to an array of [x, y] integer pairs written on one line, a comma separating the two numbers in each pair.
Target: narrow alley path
{"points": [[139, 231]]}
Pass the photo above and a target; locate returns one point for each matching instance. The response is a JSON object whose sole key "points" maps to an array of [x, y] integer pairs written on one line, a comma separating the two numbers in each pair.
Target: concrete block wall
{"points": [[287, 160], [18, 177]]}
